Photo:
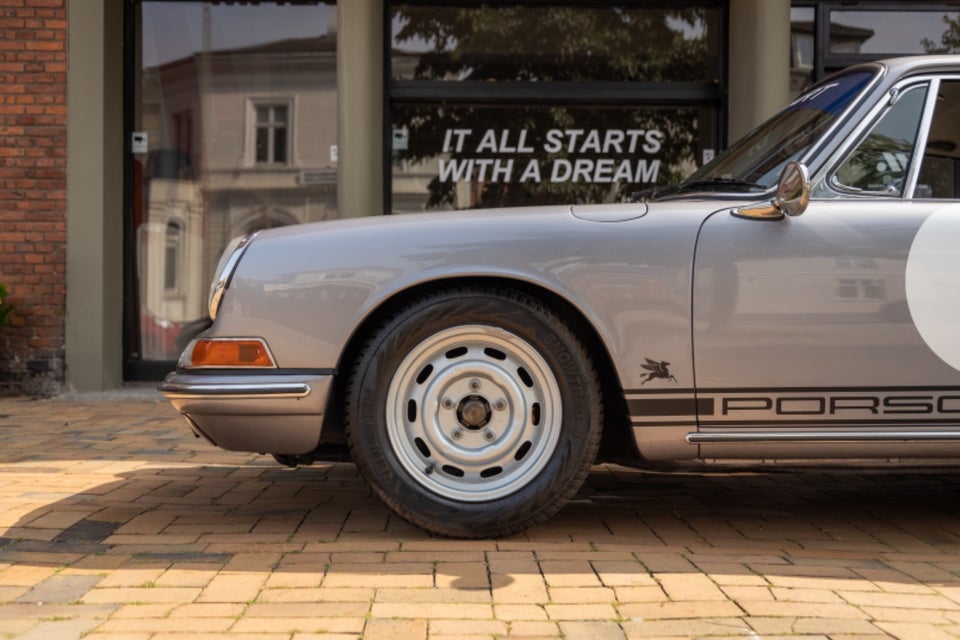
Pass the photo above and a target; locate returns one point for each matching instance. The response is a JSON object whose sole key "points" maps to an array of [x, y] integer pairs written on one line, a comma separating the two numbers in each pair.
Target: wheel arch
{"points": [[617, 443]]}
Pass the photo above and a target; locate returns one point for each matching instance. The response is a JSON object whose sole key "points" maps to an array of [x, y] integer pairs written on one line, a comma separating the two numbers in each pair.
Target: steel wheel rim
{"points": [[473, 413]]}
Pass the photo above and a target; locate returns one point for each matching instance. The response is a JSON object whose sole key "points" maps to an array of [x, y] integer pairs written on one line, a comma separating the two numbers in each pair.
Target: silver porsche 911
{"points": [[797, 297]]}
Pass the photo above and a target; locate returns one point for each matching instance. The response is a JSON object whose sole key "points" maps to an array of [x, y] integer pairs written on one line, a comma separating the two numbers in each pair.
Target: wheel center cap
{"points": [[473, 412]]}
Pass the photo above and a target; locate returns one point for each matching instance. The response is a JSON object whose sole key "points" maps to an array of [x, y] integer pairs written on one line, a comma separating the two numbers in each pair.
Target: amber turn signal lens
{"points": [[231, 353]]}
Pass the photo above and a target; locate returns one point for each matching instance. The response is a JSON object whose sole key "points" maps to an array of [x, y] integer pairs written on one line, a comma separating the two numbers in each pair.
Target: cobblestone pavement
{"points": [[115, 523]]}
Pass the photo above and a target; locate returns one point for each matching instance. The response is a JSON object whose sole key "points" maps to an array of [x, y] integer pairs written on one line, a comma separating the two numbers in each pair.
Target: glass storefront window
{"points": [[486, 156], [542, 43], [894, 32], [237, 105], [572, 107], [802, 46]]}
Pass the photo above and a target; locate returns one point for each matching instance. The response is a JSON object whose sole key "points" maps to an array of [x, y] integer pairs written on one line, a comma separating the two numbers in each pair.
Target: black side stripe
{"points": [[670, 406]]}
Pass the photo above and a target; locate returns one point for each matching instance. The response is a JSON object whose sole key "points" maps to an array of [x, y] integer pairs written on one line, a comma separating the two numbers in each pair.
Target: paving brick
{"points": [[467, 627], [568, 595], [805, 595], [651, 593], [73, 629], [618, 574], [306, 610], [145, 595], [208, 610], [380, 629], [800, 609], [379, 575], [685, 628], [569, 573], [463, 575], [771, 626], [187, 575], [318, 623], [591, 631], [581, 611], [61, 588], [915, 631], [329, 594], [831, 626], [683, 586], [158, 625], [736, 593], [439, 595], [9, 594], [25, 575], [901, 600], [233, 587], [142, 611], [519, 612], [16, 626], [910, 615], [679, 610], [457, 610], [534, 628]]}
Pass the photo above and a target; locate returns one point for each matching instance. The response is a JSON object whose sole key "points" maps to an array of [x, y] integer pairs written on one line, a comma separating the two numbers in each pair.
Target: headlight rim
{"points": [[225, 269]]}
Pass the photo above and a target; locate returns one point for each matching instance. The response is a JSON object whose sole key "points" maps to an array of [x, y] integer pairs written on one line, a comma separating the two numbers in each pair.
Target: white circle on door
{"points": [[933, 283]]}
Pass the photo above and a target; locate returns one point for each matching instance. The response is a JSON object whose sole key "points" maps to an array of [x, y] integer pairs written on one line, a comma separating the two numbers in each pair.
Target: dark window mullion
{"points": [[650, 93]]}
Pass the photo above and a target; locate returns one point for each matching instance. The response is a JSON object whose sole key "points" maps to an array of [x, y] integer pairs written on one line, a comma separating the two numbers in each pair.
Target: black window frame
{"points": [[825, 62]]}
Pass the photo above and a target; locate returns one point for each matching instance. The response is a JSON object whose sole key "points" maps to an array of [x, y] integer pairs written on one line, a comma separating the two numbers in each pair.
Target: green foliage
{"points": [[949, 40], [5, 307]]}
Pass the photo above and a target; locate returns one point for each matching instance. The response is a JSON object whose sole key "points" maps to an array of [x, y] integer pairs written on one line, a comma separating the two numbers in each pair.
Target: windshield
{"points": [[758, 158]]}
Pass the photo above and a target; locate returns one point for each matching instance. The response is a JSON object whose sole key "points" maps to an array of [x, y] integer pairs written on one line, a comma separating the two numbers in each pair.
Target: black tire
{"points": [[474, 412]]}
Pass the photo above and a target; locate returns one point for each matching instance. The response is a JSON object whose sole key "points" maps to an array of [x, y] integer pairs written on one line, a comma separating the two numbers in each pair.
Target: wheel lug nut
{"points": [[500, 404], [447, 403], [474, 384], [489, 435], [457, 434]]}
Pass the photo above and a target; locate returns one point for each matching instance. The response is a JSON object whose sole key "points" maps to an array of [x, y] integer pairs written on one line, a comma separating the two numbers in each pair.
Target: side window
{"points": [[940, 168], [880, 162]]}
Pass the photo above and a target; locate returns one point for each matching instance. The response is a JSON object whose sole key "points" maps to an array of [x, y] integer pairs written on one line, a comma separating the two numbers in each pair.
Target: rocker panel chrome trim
{"points": [[821, 436]]}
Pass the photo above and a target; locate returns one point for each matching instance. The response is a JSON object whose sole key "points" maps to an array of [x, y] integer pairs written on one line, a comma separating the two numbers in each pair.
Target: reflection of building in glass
{"points": [[843, 39], [240, 140], [848, 39]]}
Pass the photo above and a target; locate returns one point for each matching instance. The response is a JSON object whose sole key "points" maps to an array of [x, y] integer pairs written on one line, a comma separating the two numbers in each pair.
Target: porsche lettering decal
{"points": [[795, 407]]}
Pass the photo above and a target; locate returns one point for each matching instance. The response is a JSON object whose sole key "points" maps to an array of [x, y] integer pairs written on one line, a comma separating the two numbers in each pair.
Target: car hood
{"points": [[427, 222]]}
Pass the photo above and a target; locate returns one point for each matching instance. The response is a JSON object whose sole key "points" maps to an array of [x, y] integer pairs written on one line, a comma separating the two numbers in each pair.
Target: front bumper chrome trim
{"points": [[247, 390]]}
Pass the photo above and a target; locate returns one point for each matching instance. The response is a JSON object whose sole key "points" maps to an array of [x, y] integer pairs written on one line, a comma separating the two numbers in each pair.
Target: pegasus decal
{"points": [[657, 370]]}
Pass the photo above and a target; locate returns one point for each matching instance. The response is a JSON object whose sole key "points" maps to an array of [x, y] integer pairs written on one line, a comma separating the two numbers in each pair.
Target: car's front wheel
{"points": [[474, 412]]}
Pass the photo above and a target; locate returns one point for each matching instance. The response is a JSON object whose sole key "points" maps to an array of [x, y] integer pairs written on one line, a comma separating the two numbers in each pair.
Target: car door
{"points": [[833, 332]]}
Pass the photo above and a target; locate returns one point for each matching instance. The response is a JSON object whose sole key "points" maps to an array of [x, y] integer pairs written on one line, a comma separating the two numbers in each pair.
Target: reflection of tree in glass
{"points": [[949, 40], [552, 44], [556, 43]]}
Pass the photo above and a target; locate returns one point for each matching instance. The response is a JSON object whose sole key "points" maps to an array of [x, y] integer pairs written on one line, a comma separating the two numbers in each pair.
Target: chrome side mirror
{"points": [[792, 197]]}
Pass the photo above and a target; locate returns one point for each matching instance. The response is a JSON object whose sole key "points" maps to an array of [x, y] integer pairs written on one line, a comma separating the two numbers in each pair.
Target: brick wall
{"points": [[33, 158]]}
